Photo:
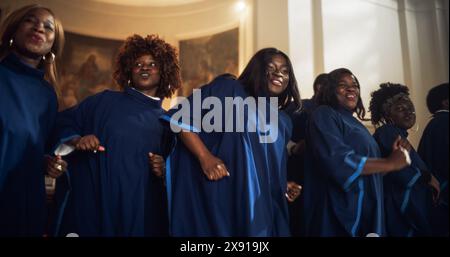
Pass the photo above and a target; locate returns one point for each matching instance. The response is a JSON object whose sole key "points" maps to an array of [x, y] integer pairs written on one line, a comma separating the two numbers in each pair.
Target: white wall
{"points": [[427, 37], [404, 41], [365, 39], [271, 24], [301, 43]]}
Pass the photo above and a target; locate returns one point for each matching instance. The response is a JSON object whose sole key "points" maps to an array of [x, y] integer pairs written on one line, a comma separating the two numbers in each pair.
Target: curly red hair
{"points": [[166, 55]]}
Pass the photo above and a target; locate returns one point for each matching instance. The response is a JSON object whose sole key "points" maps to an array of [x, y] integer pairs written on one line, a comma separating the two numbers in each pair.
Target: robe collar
{"points": [[402, 132], [14, 62], [441, 111], [344, 111], [141, 97]]}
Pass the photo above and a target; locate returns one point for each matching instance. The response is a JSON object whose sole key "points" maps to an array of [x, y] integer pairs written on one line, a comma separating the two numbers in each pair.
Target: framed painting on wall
{"points": [[86, 67], [202, 59]]}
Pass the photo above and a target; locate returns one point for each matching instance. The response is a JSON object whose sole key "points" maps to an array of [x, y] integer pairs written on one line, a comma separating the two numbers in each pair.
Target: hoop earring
{"points": [[52, 57], [11, 42]]}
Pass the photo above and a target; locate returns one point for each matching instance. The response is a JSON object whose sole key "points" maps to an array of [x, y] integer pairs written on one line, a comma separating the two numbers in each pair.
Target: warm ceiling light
{"points": [[240, 6]]}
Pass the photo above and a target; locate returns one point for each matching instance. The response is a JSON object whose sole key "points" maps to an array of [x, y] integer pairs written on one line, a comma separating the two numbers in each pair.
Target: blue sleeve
{"points": [[407, 177], [434, 147], [51, 114], [425, 149], [336, 158], [168, 142], [299, 121], [184, 115], [73, 122]]}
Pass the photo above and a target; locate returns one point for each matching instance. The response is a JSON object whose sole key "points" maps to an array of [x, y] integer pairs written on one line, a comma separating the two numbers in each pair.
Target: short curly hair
{"points": [[380, 96], [166, 55]]}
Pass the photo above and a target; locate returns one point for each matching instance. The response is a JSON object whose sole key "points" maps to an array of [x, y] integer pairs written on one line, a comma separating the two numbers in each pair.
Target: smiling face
{"points": [[402, 113], [277, 71], [36, 34], [145, 74], [348, 92]]}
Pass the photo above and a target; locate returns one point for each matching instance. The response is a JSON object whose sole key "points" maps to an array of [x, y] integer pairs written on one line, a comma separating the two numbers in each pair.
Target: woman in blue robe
{"points": [[433, 149], [31, 37], [296, 151], [110, 189], [407, 193], [343, 188], [233, 183]]}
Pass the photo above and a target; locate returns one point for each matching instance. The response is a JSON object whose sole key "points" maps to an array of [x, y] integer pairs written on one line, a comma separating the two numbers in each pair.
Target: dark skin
{"points": [[55, 166], [35, 37], [214, 168], [157, 164], [91, 143], [277, 75], [402, 114], [145, 77], [394, 162], [299, 148], [293, 191], [348, 94]]}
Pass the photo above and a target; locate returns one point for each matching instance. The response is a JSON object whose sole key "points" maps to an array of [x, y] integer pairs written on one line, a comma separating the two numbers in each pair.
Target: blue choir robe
{"points": [[28, 107], [113, 193], [251, 201], [407, 196], [295, 168], [300, 119], [433, 149], [338, 200]]}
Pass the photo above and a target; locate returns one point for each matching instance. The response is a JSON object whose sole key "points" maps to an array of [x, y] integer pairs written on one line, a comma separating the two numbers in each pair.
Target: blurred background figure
{"points": [[433, 149]]}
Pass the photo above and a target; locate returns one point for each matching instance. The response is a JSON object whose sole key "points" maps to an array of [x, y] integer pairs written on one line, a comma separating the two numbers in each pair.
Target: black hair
{"points": [[379, 97], [436, 96], [322, 80], [166, 55], [328, 94], [254, 78]]}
